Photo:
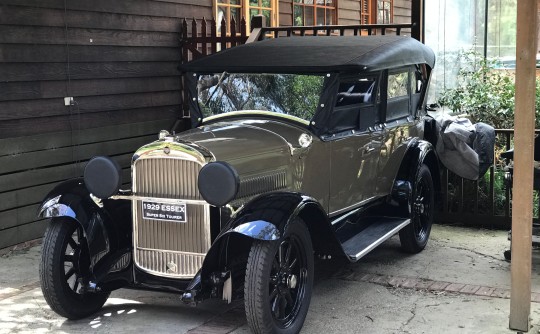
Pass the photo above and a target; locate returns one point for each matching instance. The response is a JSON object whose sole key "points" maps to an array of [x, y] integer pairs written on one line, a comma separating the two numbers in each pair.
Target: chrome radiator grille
{"points": [[166, 248]]}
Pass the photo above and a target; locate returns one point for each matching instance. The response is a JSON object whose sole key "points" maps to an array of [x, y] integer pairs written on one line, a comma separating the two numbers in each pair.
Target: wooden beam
{"points": [[417, 19], [522, 204]]}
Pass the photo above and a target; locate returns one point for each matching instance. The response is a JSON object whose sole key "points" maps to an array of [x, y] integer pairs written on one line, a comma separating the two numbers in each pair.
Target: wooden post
{"points": [[417, 19], [257, 23], [522, 203]]}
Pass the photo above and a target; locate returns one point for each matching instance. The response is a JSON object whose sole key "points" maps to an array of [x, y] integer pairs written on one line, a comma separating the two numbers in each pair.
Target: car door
{"points": [[355, 142], [399, 123]]}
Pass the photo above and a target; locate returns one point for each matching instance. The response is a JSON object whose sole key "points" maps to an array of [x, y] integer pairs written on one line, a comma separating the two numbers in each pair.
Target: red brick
{"points": [[438, 286], [469, 289], [423, 285], [397, 281], [410, 283], [454, 287], [362, 277], [501, 293], [484, 291], [377, 279]]}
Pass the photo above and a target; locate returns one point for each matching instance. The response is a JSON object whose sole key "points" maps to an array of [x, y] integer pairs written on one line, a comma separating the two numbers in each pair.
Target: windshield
{"points": [[291, 94]]}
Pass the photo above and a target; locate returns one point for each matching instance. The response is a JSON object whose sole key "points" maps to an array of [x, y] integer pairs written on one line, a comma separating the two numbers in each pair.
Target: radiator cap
{"points": [[102, 176], [218, 183]]}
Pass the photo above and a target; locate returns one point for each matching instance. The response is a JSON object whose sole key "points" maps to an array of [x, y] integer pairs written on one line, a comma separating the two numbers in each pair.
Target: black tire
{"points": [[279, 282], [508, 255], [414, 236], [64, 266]]}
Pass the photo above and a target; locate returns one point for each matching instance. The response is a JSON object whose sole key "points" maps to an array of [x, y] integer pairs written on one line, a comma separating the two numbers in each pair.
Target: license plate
{"points": [[164, 211]]}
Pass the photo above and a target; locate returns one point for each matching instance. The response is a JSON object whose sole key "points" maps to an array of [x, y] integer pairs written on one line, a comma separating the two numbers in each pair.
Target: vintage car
{"points": [[299, 148]]}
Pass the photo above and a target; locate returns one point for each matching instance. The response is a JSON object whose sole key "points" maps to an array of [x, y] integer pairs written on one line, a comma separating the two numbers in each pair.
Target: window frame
{"points": [[315, 6], [378, 10], [403, 101], [245, 8], [363, 111]]}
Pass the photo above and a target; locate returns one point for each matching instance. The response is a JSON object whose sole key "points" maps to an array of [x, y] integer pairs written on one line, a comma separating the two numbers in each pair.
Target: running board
{"points": [[372, 236]]}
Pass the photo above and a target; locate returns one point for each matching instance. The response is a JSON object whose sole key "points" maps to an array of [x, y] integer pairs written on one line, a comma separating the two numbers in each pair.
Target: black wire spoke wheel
{"points": [[65, 271], [288, 280], [279, 281], [75, 257], [422, 208], [414, 236]]}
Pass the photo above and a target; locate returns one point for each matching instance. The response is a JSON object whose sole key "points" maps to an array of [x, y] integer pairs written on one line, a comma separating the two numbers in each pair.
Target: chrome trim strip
{"points": [[171, 251], [159, 199], [381, 239], [256, 112], [345, 216], [354, 206]]}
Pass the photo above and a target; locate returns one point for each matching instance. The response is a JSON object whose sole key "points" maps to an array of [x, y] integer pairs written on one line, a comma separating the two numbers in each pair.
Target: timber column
{"points": [[522, 202], [417, 18]]}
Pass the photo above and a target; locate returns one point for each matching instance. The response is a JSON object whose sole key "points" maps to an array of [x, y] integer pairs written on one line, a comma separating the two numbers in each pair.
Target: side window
{"points": [[355, 107], [356, 92], [397, 84], [398, 95]]}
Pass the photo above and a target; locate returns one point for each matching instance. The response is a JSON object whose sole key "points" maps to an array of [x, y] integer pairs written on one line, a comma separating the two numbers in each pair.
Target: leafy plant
{"points": [[485, 93]]}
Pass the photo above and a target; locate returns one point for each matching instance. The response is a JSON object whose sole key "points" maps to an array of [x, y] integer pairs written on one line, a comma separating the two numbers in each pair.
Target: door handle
{"points": [[368, 150]]}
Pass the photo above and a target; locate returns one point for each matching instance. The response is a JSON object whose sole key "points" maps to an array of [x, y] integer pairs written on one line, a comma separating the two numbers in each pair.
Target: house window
{"points": [[228, 9], [384, 11], [314, 12], [376, 11]]}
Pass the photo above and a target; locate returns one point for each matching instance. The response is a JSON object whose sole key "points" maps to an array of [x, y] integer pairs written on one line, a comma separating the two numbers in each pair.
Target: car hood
{"points": [[247, 145]]}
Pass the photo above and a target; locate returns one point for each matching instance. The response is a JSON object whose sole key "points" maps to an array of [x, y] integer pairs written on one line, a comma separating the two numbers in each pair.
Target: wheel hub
{"points": [[419, 206], [292, 281]]}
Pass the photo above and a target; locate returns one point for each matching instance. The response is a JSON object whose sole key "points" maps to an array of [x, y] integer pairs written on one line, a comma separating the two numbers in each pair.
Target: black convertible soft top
{"points": [[316, 54]]}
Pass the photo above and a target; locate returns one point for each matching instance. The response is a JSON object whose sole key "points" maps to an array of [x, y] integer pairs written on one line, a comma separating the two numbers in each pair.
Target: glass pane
{"points": [[298, 1], [235, 12], [308, 2], [320, 2], [266, 3], [235, 2], [222, 13], [223, 1], [329, 2], [253, 2], [308, 19], [298, 16], [253, 12], [320, 16], [357, 92], [330, 16], [397, 84], [295, 95]]}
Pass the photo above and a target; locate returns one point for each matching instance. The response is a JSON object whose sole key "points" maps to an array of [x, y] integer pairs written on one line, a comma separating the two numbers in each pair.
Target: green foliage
{"points": [[485, 93]]}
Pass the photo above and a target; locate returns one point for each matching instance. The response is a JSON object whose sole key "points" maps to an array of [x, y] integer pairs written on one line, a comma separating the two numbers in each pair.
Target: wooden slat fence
{"points": [[117, 59]]}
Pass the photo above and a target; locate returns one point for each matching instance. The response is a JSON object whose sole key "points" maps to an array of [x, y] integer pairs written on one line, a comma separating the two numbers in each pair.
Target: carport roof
{"points": [[316, 54]]}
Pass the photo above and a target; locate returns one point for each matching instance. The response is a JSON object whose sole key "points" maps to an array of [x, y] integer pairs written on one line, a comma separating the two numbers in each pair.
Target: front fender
{"points": [[264, 218], [71, 199]]}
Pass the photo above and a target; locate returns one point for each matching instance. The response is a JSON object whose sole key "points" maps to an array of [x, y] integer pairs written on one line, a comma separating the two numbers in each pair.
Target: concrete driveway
{"points": [[459, 284]]}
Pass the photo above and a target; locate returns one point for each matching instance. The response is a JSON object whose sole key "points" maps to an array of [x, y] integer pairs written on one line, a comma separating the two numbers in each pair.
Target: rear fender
{"points": [[106, 224], [418, 152]]}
